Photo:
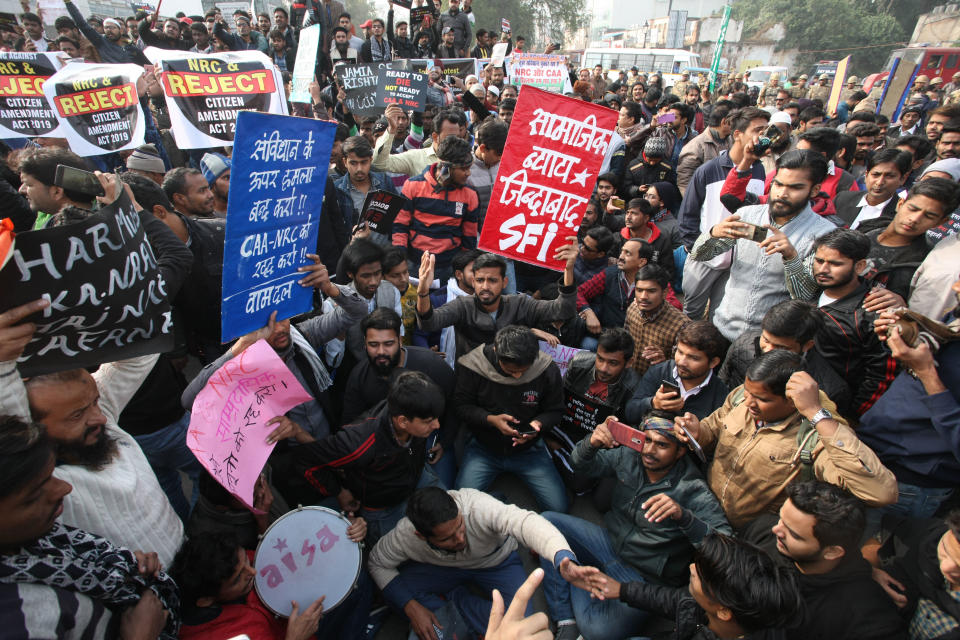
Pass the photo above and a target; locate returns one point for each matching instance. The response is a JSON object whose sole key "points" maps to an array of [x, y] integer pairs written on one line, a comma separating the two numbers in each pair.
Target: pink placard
{"points": [[228, 424]]}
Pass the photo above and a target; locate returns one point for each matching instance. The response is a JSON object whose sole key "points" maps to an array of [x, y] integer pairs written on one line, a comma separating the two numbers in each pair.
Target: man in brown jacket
{"points": [[774, 428], [705, 147]]}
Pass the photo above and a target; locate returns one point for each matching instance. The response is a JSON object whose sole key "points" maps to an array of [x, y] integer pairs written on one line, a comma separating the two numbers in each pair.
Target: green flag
{"points": [[715, 65]]}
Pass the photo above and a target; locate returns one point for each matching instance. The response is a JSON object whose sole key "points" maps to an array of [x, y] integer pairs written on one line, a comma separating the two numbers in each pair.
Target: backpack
{"points": [[807, 439]]}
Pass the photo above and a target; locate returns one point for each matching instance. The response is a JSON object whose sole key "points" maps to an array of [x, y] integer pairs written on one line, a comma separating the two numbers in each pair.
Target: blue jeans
{"points": [[381, 521], [434, 586], [481, 467], [597, 619], [511, 276], [912, 502], [589, 343], [166, 451]]}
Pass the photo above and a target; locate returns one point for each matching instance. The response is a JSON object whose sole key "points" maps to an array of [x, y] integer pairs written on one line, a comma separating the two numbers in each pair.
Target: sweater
{"points": [[493, 530], [123, 501]]}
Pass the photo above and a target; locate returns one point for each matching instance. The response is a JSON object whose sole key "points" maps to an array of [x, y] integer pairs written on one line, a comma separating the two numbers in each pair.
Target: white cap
{"points": [[781, 117]]}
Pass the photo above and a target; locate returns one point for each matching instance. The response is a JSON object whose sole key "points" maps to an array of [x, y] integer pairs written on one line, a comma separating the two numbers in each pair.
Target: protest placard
{"points": [[460, 67], [205, 92], [417, 14], [139, 5], [304, 67], [561, 354], [407, 89], [97, 106], [272, 216], [504, 25], [540, 70], [380, 208], [581, 416], [546, 176], [359, 82], [228, 421], [498, 54], [108, 299], [24, 110]]}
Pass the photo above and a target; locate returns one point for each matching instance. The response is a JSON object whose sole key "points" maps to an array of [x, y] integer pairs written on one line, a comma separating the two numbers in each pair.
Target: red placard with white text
{"points": [[550, 163]]}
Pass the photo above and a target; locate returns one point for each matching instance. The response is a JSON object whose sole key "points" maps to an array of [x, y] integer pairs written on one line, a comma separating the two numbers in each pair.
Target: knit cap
{"points": [[146, 158], [213, 165]]}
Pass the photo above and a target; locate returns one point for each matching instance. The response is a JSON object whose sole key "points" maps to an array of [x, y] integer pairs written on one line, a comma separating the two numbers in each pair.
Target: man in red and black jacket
{"points": [[374, 465]]}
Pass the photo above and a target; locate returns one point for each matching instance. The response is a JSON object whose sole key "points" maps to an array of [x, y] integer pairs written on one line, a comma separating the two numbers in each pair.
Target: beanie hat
{"points": [[213, 165], [146, 158], [669, 196], [656, 146]]}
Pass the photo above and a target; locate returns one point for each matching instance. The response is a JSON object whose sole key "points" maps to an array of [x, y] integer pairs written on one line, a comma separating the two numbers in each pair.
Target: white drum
{"points": [[306, 554]]}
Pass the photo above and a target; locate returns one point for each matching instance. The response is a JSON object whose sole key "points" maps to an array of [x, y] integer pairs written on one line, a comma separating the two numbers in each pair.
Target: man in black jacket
{"points": [[374, 465], [887, 170], [688, 382], [846, 339], [508, 394], [819, 530]]}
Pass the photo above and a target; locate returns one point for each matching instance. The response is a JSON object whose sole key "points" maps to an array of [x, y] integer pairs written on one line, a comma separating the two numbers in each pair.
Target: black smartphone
{"points": [[78, 180], [670, 385], [756, 232], [526, 429]]}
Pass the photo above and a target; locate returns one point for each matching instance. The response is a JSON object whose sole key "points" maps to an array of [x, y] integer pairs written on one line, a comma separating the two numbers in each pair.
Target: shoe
{"points": [[567, 632]]}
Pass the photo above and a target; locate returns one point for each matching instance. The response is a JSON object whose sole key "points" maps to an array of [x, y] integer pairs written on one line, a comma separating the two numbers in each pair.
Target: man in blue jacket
{"points": [[353, 187]]}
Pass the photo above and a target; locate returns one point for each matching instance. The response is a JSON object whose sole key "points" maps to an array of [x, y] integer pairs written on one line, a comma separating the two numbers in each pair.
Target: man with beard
{"points": [[688, 381], [887, 170], [766, 272], [38, 168], [662, 508], [866, 134], [352, 188], [450, 540], [340, 49], [651, 319], [169, 38], [459, 25], [189, 192], [948, 145], [216, 170], [110, 45], [819, 531]]}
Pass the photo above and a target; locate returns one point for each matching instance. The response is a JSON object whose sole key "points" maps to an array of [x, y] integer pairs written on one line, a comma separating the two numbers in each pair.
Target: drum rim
{"points": [[263, 538]]}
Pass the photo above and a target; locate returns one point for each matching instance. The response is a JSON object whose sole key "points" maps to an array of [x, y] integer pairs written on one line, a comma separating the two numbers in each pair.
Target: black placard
{"points": [[359, 82], [380, 208], [582, 415], [108, 298], [407, 89]]}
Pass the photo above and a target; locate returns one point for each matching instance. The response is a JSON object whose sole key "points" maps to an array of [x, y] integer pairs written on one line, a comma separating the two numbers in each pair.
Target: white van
{"points": [[760, 75]]}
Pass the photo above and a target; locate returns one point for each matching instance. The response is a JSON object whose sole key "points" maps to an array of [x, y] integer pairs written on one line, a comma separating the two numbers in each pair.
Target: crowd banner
{"points": [[97, 106], [108, 299], [205, 92], [405, 88], [359, 82], [276, 193], [228, 421], [24, 110], [460, 67], [838, 81], [560, 354], [304, 68], [540, 70], [546, 176]]}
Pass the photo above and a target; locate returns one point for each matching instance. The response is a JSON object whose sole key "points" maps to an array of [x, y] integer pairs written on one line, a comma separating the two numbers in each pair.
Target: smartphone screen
{"points": [[756, 233]]}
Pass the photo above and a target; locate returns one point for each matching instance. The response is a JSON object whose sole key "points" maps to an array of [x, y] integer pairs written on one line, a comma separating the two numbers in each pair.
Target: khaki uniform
{"points": [[769, 94], [680, 89], [817, 92], [751, 468], [953, 97], [797, 92], [846, 93]]}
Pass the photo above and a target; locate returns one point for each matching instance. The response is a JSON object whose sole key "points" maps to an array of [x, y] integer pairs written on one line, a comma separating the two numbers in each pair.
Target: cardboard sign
{"points": [[97, 106], [546, 176], [108, 297], [304, 68], [228, 421], [460, 67], [838, 80], [359, 82], [24, 110], [407, 89], [272, 216], [205, 92], [540, 70], [561, 355], [498, 54], [417, 14], [896, 89], [380, 208]]}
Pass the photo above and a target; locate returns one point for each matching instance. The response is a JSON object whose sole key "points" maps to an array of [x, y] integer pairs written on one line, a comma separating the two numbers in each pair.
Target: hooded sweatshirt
{"points": [[483, 389]]}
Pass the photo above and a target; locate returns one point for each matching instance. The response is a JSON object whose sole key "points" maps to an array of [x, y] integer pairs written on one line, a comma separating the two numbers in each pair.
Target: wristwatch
{"points": [[820, 416]]}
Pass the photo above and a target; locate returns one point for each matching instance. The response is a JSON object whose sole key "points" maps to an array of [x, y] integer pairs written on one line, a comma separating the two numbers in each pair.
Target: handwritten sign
{"points": [[108, 299], [24, 110], [272, 217], [561, 354], [546, 176], [228, 421], [205, 92], [304, 555], [380, 208], [97, 106], [359, 82], [404, 88], [582, 415], [541, 70], [304, 67]]}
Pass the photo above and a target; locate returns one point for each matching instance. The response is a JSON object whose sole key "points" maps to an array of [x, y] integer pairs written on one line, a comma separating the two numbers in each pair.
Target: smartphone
{"points": [[526, 429], [756, 233], [627, 436], [666, 117], [694, 445], [73, 179], [450, 80], [670, 385], [555, 45], [618, 203]]}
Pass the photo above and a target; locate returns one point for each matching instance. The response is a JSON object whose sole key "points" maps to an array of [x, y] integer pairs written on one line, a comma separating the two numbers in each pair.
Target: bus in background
{"points": [[931, 62], [667, 62]]}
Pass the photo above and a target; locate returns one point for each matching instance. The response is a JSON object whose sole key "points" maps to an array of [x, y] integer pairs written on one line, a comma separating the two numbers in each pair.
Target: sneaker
{"points": [[567, 632]]}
